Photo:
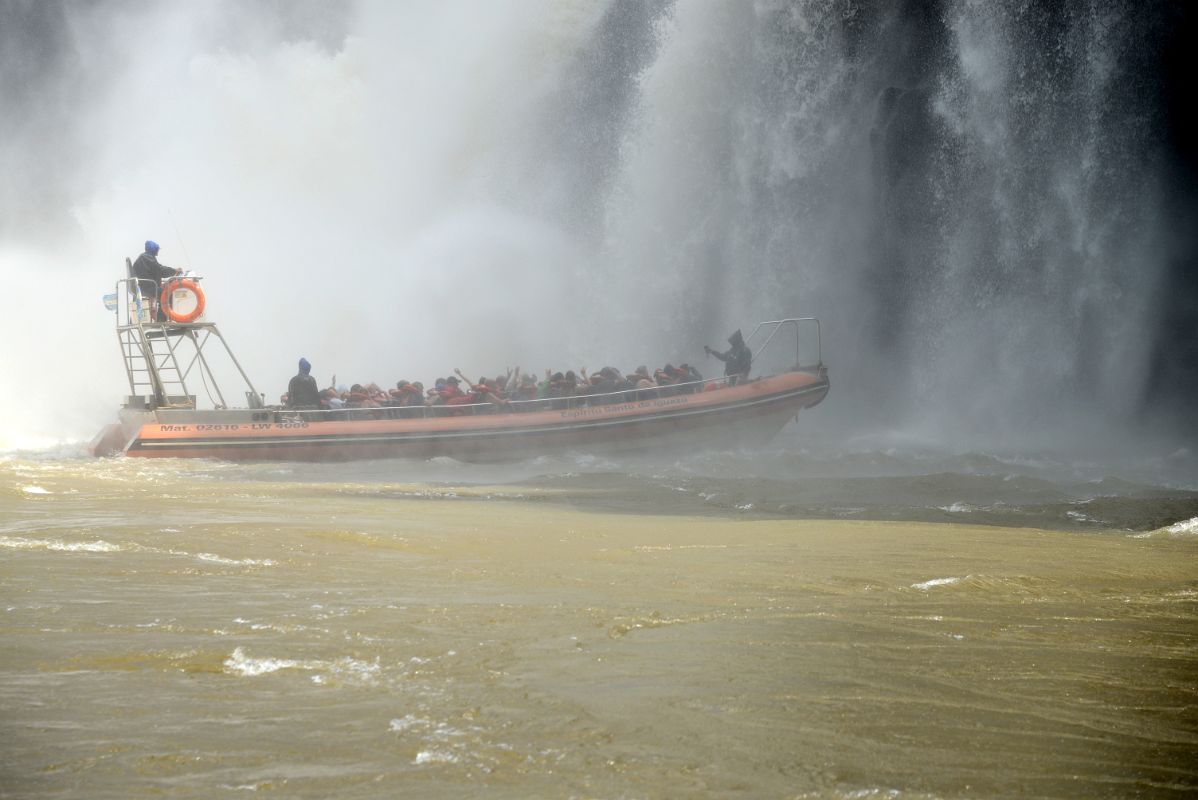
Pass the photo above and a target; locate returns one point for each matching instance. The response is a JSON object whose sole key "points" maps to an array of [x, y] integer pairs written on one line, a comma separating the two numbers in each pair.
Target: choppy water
{"points": [[877, 623]]}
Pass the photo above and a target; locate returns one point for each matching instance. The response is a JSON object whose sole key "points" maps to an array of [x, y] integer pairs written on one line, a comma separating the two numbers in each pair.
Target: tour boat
{"points": [[160, 417]]}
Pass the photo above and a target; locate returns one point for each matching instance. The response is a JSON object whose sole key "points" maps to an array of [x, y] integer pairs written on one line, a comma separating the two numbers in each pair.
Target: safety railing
{"points": [[161, 356], [563, 403], [775, 326], [567, 402], [135, 303]]}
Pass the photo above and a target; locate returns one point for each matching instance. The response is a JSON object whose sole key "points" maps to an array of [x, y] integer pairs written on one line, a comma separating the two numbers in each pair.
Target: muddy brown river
{"points": [[181, 631]]}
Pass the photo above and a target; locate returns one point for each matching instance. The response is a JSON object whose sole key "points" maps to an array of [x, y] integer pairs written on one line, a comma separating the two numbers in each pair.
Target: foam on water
{"points": [[351, 669], [435, 757], [440, 742], [233, 562], [936, 582], [98, 546], [1189, 526], [407, 721], [241, 664]]}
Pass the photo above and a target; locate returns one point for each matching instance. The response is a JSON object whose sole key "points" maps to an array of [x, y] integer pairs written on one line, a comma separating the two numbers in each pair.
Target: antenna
{"points": [[179, 236]]}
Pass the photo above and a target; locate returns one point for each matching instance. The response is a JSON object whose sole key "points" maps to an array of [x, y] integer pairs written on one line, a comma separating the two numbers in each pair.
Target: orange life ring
{"points": [[182, 283]]}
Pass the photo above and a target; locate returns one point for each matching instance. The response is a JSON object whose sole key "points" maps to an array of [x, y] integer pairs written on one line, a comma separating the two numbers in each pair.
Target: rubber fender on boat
{"points": [[194, 288]]}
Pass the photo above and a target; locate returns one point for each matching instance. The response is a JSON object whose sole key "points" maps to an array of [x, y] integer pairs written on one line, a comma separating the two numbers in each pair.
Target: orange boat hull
{"points": [[748, 414]]}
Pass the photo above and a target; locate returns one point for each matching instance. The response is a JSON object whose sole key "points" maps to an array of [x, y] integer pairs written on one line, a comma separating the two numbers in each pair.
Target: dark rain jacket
{"points": [[302, 392], [737, 360], [147, 271]]}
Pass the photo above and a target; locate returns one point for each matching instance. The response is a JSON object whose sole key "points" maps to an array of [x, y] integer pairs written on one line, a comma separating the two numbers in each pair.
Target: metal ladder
{"points": [[159, 357], [151, 361]]}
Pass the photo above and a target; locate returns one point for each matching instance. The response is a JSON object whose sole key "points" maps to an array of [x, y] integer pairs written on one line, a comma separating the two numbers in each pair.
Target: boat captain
{"points": [[149, 272]]}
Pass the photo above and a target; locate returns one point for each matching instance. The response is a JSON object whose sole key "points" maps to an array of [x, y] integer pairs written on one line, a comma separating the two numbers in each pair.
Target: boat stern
{"points": [[110, 441]]}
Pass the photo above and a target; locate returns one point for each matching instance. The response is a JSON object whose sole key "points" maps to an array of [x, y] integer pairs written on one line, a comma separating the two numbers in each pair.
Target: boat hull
{"points": [[749, 414]]}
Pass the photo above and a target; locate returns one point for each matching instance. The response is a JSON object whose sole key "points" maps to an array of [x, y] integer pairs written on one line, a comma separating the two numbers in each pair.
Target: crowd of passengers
{"points": [[513, 389], [608, 385]]}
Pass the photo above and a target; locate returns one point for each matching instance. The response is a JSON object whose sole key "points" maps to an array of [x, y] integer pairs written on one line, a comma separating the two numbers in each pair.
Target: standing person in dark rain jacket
{"points": [[149, 274], [737, 359], [302, 391]]}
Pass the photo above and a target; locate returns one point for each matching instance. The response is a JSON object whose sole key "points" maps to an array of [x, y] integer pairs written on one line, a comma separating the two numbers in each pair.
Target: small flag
{"points": [[110, 301]]}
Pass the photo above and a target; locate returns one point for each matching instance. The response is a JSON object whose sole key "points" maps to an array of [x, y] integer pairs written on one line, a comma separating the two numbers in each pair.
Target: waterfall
{"points": [[981, 201], [970, 194]]}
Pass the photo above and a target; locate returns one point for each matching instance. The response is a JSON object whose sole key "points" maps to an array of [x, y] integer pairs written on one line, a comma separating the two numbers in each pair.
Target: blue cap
{"points": [[152, 247], [305, 367]]}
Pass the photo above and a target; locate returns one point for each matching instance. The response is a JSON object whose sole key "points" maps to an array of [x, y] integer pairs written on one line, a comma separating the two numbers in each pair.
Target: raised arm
{"points": [[721, 356]]}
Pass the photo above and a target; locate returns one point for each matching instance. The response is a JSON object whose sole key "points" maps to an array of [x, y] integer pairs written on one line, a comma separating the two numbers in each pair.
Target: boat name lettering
{"points": [[232, 427], [172, 428], [616, 409]]}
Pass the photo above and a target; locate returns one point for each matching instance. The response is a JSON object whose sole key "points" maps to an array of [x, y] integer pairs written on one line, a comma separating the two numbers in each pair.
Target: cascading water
{"points": [[933, 585], [974, 197], [975, 188]]}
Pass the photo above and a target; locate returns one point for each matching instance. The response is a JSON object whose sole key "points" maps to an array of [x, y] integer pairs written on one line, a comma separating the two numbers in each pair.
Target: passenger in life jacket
{"points": [[487, 390], [302, 392], [148, 273], [341, 392], [548, 387], [640, 376], [527, 390], [360, 397], [612, 380], [450, 390], [452, 395], [331, 399], [404, 392], [588, 385], [645, 385], [377, 394], [737, 360], [606, 383], [570, 384], [689, 375], [416, 396], [665, 377]]}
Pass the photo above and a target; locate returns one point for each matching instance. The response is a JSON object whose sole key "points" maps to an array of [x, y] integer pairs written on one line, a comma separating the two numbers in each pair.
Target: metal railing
{"points": [[139, 333], [777, 326], [567, 402], [153, 356], [140, 299], [563, 403]]}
